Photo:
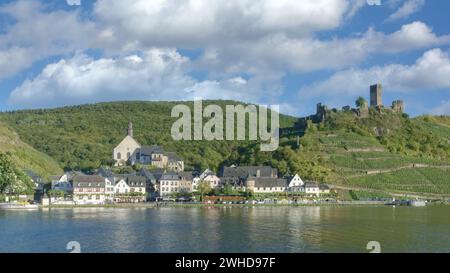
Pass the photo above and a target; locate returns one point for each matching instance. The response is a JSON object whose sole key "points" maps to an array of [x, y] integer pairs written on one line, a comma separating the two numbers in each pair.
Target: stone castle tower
{"points": [[398, 106], [375, 95]]}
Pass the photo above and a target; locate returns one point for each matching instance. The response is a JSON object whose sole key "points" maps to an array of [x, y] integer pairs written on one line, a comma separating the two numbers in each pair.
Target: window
{"points": [[138, 156], [119, 156]]}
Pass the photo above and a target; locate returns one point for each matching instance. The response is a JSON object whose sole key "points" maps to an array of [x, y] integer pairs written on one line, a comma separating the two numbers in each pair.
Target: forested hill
{"points": [[385, 151], [82, 137], [24, 156]]}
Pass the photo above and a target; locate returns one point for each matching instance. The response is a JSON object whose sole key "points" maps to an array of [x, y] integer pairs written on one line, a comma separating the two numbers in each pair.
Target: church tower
{"points": [[130, 129]]}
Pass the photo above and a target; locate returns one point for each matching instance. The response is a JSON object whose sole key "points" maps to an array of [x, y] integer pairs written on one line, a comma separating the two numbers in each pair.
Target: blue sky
{"points": [[286, 52]]}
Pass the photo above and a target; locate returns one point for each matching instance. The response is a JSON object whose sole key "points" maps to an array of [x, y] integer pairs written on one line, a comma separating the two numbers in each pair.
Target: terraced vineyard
{"points": [[363, 163]]}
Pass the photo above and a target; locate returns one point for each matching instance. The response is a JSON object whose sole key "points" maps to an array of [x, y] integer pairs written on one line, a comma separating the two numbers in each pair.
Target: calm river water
{"points": [[228, 229]]}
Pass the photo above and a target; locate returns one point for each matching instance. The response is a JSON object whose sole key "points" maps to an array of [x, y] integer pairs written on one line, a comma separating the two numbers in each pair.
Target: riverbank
{"points": [[189, 205]]}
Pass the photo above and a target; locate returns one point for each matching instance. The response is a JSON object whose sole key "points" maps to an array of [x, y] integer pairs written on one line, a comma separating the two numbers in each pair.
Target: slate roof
{"points": [[88, 181], [245, 171], [310, 184], [187, 176], [269, 182], [173, 156], [136, 181], [105, 172], [149, 150], [170, 176]]}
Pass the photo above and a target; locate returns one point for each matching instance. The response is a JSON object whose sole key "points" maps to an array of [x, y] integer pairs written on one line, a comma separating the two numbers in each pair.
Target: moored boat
{"points": [[18, 206]]}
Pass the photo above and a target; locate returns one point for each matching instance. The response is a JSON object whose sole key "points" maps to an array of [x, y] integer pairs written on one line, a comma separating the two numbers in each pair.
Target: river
{"points": [[228, 229]]}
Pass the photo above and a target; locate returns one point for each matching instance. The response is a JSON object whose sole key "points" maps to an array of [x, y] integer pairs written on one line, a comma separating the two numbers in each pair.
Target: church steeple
{"points": [[130, 129]]}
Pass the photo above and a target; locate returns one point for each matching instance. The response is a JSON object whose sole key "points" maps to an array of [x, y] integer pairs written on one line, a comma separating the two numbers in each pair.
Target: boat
{"points": [[417, 203], [18, 206]]}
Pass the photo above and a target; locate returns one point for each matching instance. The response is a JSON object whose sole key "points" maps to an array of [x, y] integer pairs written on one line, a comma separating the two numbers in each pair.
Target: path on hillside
{"points": [[396, 194], [409, 166]]}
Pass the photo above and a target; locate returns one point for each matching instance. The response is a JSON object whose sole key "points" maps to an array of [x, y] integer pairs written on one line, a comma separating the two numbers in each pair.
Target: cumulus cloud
{"points": [[429, 72], [205, 22], [405, 10], [38, 33], [157, 74], [280, 52]]}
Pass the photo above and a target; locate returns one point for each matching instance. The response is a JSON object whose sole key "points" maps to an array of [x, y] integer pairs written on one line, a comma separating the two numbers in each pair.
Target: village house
{"points": [[207, 176], [236, 176], [129, 151], [169, 184], [137, 185], [61, 183], [296, 184], [186, 179], [312, 189], [267, 184], [89, 189]]}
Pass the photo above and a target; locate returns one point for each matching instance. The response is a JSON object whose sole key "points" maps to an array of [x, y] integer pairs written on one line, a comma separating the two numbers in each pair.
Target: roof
{"points": [[136, 181], [268, 182], [245, 171], [149, 150], [105, 172], [173, 156], [88, 181], [188, 176], [88, 178], [170, 176], [310, 184]]}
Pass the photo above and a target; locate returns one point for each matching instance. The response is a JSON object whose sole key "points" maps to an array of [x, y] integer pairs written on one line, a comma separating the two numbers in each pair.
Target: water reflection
{"points": [[227, 229]]}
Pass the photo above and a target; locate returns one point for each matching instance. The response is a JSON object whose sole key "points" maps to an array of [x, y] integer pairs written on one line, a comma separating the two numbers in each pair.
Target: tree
{"points": [[203, 188], [360, 101], [12, 179]]}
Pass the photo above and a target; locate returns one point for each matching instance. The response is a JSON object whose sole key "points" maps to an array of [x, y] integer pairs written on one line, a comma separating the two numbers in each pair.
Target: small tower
{"points": [[398, 106], [375, 95], [130, 129]]}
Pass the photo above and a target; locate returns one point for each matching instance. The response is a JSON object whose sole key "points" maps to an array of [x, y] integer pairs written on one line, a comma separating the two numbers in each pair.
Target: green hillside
{"points": [[82, 137], [383, 152], [25, 156]]}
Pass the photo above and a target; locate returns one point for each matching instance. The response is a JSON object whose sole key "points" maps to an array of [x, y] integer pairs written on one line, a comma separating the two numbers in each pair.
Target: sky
{"points": [[286, 52]]}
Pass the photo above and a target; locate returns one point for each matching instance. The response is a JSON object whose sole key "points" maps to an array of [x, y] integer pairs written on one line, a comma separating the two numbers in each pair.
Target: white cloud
{"points": [[408, 8], [282, 53], [203, 22], [157, 74], [37, 34], [73, 2], [429, 72]]}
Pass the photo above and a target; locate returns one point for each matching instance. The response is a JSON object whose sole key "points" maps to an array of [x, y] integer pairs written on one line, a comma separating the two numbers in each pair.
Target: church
{"points": [[130, 152]]}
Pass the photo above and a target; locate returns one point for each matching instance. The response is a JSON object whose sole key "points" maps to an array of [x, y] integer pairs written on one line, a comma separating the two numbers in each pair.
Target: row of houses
{"points": [[146, 185]]}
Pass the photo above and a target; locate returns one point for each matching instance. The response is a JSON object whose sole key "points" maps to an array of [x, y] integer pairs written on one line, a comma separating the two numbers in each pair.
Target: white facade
{"points": [[121, 187], [296, 181], [126, 151], [62, 184]]}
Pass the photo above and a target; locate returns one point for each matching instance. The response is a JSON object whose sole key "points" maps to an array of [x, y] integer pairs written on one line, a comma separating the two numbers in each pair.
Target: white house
{"points": [[312, 188], [61, 182], [121, 187], [170, 183], [88, 189], [207, 176], [266, 184]]}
